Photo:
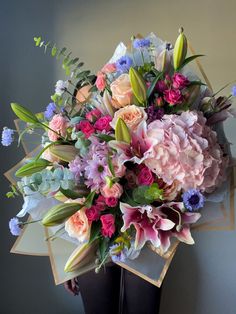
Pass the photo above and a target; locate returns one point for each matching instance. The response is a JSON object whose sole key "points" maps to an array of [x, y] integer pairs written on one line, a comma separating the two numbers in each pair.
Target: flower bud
{"points": [[180, 49], [138, 85]]}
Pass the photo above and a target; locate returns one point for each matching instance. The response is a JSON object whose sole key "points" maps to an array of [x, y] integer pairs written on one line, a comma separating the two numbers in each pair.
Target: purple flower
{"points": [[50, 110], [76, 166], [234, 91], [96, 172], [141, 43], [14, 225], [61, 87], [117, 254], [7, 136], [124, 63], [154, 113], [193, 200]]}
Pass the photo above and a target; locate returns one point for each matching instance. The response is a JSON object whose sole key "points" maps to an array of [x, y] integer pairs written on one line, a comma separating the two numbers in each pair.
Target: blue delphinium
{"points": [[124, 63], [14, 225], [7, 136], [50, 110], [234, 91], [193, 200], [141, 43], [117, 254]]}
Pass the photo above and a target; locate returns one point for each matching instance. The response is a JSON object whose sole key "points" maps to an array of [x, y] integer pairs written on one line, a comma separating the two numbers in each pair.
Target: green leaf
{"points": [[83, 74], [110, 165], [153, 193], [196, 83], [89, 200], [105, 137], [66, 59], [95, 231], [64, 152], [103, 248], [187, 60], [122, 132], [61, 52], [138, 85], [32, 167], [70, 194], [139, 195], [37, 41], [72, 62], [54, 51], [153, 84], [24, 114], [60, 213]]}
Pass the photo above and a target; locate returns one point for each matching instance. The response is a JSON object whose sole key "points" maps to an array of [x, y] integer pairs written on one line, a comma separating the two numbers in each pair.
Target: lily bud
{"points": [[138, 85], [32, 167], [122, 132], [64, 152], [180, 49], [24, 114]]}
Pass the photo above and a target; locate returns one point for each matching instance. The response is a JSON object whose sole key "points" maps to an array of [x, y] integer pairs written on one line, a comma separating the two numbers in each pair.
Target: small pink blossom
{"points": [[115, 190], [109, 68], [108, 225], [92, 213], [111, 201], [103, 123], [101, 81], [161, 86], [173, 96], [100, 202], [86, 127], [93, 115], [145, 176], [179, 81], [59, 125]]}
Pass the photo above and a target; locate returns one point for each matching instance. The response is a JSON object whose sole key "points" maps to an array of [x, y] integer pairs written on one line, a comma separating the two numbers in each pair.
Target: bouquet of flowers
{"points": [[127, 157]]}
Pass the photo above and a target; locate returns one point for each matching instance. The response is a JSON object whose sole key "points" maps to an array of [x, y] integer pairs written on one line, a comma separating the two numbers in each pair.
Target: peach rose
{"points": [[121, 91], [83, 94], [115, 191], [78, 226], [132, 116]]}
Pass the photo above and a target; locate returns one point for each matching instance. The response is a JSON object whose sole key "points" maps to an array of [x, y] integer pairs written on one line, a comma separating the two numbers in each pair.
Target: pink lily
{"points": [[147, 222], [138, 150]]}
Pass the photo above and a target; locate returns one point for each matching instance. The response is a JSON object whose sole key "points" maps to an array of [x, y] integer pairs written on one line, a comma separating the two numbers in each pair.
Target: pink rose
{"points": [[108, 225], [103, 123], [111, 201], [86, 127], [100, 81], [92, 213], [59, 125], [109, 68], [78, 226], [121, 89], [173, 96], [100, 202], [115, 190], [93, 115], [161, 86], [179, 81], [131, 115], [145, 176]]}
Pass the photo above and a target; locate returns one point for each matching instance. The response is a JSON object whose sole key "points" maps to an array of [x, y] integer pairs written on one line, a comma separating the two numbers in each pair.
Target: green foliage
{"points": [[32, 167], [147, 194], [24, 114], [187, 60], [153, 83]]}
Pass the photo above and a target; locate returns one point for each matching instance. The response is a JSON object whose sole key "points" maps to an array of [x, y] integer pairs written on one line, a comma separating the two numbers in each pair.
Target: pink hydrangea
{"points": [[186, 151]]}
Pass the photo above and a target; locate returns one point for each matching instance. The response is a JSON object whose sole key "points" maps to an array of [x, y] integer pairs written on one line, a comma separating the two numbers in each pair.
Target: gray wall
{"points": [[202, 278]]}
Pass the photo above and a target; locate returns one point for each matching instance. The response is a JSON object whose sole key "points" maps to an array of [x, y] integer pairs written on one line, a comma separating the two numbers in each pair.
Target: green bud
{"points": [[24, 114], [122, 132], [32, 167], [64, 152], [60, 213], [180, 49], [138, 85], [81, 256]]}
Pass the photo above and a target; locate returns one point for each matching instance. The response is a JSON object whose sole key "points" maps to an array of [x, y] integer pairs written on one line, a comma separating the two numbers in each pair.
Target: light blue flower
{"points": [[50, 111], [124, 63], [141, 43], [234, 91], [7, 136], [14, 225]]}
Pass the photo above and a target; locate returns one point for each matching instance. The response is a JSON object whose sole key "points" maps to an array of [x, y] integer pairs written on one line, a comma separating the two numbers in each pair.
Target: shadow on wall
{"points": [[27, 77]]}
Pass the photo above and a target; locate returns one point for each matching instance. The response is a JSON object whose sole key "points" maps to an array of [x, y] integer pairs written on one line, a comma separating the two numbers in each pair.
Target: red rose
{"points": [[85, 127], [92, 213]]}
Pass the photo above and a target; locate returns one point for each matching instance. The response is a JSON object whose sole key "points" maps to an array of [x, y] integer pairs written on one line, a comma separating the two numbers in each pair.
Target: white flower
{"points": [[60, 87]]}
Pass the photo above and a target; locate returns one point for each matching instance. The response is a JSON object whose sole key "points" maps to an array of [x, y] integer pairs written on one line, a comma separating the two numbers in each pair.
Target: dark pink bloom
{"points": [[108, 225], [145, 176], [93, 115], [179, 81], [103, 123], [101, 81], [86, 127], [100, 202], [161, 86], [173, 96], [92, 213], [111, 201]]}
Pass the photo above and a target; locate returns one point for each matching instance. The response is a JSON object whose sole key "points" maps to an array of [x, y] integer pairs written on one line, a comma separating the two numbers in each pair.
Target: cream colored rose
{"points": [[78, 226], [132, 116], [121, 91]]}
